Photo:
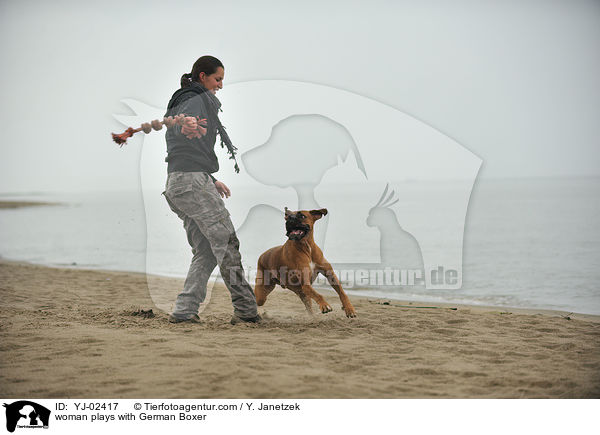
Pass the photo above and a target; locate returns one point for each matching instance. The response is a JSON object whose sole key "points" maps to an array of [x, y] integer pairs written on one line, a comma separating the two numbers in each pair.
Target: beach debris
{"points": [[411, 306], [146, 314], [568, 316]]}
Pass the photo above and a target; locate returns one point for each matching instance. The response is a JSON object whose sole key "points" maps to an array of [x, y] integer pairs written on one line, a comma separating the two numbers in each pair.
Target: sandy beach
{"points": [[68, 333]]}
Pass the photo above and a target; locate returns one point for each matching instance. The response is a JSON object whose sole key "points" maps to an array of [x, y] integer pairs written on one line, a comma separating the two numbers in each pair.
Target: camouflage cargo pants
{"points": [[194, 197]]}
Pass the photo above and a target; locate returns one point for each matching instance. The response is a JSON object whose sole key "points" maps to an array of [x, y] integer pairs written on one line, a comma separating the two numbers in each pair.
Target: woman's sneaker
{"points": [[194, 318], [235, 319]]}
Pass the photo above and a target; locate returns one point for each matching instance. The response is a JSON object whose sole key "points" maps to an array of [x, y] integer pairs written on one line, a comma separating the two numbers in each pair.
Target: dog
{"points": [[296, 264]]}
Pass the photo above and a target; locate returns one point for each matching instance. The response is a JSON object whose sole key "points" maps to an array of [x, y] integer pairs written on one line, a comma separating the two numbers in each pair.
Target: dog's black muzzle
{"points": [[295, 229]]}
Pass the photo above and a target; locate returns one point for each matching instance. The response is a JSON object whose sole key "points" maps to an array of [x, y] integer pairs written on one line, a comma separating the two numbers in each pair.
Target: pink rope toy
{"points": [[191, 127]]}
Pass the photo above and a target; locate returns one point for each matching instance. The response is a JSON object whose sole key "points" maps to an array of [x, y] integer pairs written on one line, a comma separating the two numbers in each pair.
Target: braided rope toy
{"points": [[170, 121]]}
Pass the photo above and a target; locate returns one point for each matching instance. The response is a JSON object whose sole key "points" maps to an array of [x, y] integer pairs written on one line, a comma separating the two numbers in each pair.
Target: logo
{"points": [[26, 415]]}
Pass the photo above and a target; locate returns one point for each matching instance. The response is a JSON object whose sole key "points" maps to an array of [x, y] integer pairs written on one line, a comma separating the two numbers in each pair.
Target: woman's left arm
{"points": [[222, 189]]}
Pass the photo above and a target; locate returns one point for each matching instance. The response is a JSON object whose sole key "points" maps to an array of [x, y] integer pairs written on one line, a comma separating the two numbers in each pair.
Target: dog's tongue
{"points": [[296, 232]]}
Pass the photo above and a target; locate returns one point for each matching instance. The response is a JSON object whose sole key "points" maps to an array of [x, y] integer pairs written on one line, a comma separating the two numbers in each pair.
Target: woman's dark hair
{"points": [[206, 64]]}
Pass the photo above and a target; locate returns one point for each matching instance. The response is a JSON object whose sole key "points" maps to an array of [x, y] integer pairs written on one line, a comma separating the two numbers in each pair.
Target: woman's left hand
{"points": [[222, 189]]}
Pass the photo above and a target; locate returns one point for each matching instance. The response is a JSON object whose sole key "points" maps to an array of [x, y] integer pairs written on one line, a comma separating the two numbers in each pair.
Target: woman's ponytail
{"points": [[186, 80]]}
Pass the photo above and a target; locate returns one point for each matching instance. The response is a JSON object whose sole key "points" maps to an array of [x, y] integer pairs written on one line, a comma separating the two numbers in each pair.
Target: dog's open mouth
{"points": [[296, 231]]}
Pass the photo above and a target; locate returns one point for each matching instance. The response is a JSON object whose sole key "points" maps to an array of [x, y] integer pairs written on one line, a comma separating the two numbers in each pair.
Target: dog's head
{"points": [[298, 224]]}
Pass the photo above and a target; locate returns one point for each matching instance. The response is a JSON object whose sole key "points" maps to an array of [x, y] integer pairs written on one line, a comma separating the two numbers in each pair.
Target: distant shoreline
{"points": [[22, 204]]}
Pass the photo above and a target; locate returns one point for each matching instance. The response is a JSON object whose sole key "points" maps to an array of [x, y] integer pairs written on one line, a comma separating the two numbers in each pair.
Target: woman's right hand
{"points": [[190, 127]]}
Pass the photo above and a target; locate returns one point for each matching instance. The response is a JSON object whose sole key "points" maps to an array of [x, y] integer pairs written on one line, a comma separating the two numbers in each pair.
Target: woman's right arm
{"points": [[195, 110]]}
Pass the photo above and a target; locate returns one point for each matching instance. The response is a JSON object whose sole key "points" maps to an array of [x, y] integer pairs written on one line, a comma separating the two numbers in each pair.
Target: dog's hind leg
{"points": [[262, 290], [305, 298]]}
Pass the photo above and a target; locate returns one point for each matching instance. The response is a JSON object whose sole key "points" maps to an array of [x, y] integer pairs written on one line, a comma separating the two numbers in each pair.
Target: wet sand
{"points": [[69, 333]]}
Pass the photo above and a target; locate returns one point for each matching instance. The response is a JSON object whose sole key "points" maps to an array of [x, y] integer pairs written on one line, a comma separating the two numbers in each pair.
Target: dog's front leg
{"points": [[334, 282], [311, 293]]}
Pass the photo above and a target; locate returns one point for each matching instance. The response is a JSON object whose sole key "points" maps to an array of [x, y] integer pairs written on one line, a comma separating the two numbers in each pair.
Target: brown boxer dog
{"points": [[296, 264]]}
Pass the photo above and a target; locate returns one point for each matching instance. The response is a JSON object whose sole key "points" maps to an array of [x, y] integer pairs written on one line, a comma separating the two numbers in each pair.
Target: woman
{"points": [[193, 193]]}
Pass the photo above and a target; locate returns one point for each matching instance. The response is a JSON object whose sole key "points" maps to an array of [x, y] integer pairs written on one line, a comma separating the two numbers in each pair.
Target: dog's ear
{"points": [[318, 214]]}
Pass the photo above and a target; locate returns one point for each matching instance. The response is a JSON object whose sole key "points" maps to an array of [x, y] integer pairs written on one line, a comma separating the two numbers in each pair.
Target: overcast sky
{"points": [[515, 82]]}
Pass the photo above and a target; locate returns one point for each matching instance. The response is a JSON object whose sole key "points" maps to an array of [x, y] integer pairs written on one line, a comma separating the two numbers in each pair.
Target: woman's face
{"points": [[212, 82]]}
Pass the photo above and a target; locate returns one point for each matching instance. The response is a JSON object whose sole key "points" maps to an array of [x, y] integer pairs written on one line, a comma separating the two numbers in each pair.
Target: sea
{"points": [[526, 243]]}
